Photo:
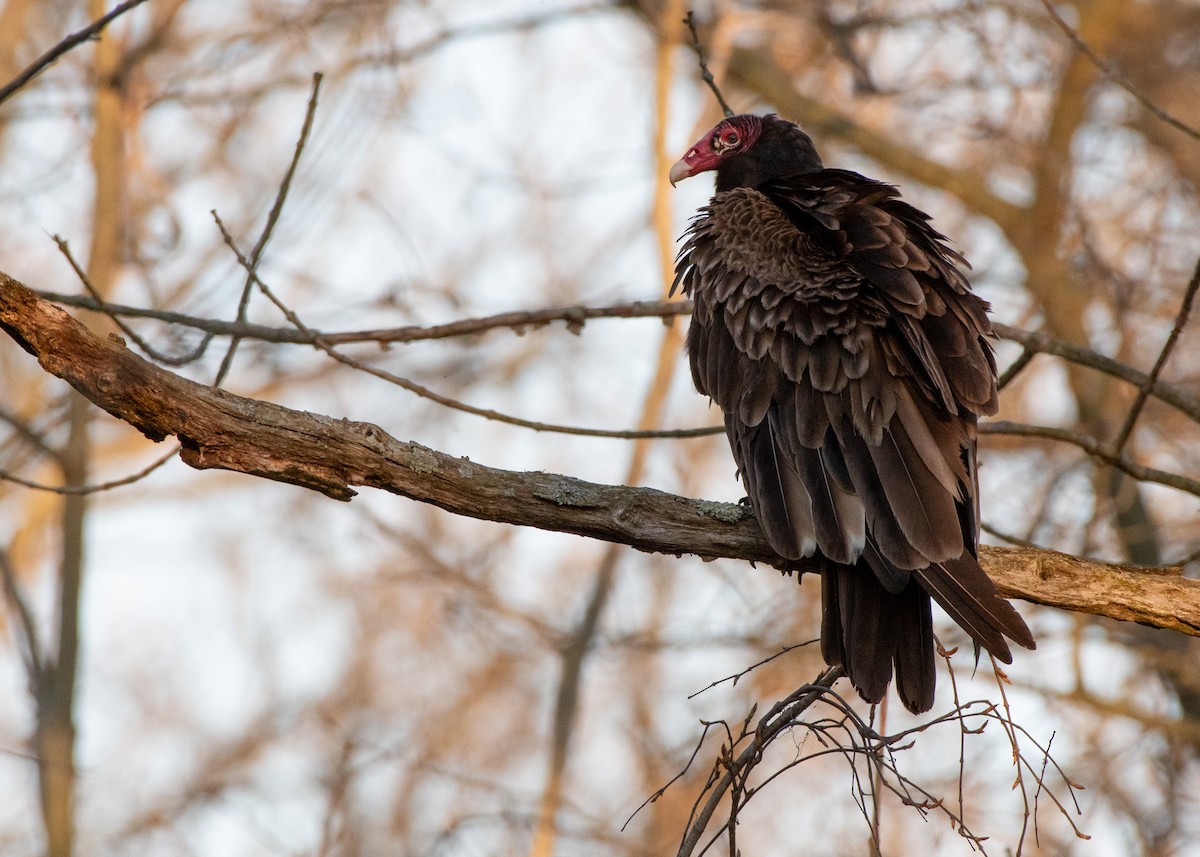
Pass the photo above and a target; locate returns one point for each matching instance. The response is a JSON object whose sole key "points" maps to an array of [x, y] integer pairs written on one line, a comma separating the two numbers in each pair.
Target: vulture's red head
{"points": [[748, 150]]}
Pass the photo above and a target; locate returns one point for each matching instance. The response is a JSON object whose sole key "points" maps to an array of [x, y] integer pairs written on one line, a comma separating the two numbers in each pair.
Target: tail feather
{"points": [[868, 630], [916, 678]]}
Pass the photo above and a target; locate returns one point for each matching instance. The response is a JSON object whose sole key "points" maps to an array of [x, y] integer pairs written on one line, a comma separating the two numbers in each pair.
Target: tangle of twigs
{"points": [[741, 769]]}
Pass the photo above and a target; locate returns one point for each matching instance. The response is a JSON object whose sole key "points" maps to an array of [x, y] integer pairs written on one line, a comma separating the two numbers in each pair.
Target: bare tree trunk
{"points": [[55, 735]]}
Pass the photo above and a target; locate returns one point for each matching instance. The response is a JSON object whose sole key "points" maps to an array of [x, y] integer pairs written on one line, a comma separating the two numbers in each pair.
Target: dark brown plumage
{"points": [[838, 335]]}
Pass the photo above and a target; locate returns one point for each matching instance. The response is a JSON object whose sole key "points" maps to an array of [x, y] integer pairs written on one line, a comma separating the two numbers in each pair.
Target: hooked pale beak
{"points": [[681, 170], [700, 158]]}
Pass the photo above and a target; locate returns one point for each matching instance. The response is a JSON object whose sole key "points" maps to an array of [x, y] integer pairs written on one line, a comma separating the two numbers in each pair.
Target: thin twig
{"points": [[1095, 448], [269, 228], [1009, 537], [736, 677], [26, 431], [393, 57], [96, 487], [575, 318], [29, 632], [72, 41], [663, 789], [1014, 738], [139, 341], [1111, 73], [705, 74], [1015, 368], [1181, 318], [963, 729], [426, 393], [1014, 731]]}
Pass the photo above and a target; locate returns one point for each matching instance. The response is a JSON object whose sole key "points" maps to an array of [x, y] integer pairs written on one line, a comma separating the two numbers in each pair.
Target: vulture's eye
{"points": [[724, 142]]}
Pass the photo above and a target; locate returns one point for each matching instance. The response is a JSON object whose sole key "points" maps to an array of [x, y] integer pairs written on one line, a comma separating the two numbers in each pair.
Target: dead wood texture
{"points": [[220, 430]]}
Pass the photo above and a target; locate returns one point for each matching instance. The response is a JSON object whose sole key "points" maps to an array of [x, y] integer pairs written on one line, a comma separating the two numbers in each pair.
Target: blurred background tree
{"points": [[206, 663]]}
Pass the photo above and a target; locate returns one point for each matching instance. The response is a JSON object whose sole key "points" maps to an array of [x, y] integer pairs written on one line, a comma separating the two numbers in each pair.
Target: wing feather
{"points": [[925, 513]]}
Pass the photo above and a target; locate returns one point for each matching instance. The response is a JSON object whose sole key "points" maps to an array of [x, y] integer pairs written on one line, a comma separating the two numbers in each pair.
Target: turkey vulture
{"points": [[841, 340]]}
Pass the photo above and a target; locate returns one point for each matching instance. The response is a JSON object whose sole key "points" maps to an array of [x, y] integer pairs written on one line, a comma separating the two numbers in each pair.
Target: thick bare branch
{"points": [[220, 430]]}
